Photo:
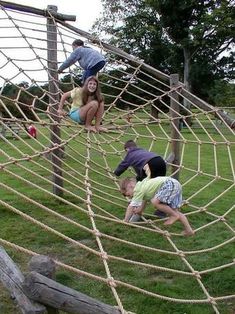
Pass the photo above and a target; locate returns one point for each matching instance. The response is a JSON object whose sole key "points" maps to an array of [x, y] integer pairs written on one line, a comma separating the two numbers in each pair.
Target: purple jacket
{"points": [[136, 157]]}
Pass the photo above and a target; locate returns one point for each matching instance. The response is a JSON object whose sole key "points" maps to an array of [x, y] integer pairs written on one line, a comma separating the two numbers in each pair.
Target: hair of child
{"points": [[85, 93], [78, 42], [129, 144], [123, 184]]}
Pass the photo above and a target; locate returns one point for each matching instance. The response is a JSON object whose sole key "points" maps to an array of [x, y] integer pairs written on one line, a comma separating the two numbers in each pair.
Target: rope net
{"points": [[138, 266]]}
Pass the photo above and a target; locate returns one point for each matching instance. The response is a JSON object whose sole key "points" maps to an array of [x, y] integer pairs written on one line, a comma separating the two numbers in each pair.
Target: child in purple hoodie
{"points": [[142, 160], [138, 158]]}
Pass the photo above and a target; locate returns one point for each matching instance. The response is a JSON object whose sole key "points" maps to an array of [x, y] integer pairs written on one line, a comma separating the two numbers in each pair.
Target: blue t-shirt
{"points": [[86, 57]]}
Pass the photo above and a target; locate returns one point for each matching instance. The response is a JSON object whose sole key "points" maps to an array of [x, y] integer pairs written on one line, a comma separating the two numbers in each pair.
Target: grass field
{"points": [[137, 255]]}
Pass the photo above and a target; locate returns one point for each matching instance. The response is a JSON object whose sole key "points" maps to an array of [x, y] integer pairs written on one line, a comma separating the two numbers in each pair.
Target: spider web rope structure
{"points": [[60, 198]]}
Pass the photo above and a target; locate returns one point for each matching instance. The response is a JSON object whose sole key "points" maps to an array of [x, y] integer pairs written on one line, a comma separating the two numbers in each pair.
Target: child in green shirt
{"points": [[165, 193]]}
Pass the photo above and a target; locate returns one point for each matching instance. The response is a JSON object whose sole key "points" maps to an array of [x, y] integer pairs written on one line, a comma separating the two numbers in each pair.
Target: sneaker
{"points": [[135, 218], [170, 158], [160, 214]]}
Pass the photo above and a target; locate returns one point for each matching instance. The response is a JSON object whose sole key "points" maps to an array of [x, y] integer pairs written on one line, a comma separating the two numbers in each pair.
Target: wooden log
{"points": [[26, 8], [12, 279], [49, 292], [45, 266]]}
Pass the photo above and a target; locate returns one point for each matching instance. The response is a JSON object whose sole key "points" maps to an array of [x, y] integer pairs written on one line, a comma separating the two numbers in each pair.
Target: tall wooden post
{"points": [[175, 121], [54, 98]]}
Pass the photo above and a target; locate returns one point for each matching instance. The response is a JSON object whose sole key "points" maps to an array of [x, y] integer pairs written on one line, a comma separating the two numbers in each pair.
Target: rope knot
{"points": [[202, 209], [181, 254], [196, 274], [111, 282], [166, 234], [212, 300], [222, 218], [104, 255], [91, 213], [97, 233]]}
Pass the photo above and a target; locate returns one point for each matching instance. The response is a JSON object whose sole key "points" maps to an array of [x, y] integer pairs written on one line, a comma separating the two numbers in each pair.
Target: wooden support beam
{"points": [[29, 9], [53, 94], [12, 279], [54, 294], [175, 120], [217, 112]]}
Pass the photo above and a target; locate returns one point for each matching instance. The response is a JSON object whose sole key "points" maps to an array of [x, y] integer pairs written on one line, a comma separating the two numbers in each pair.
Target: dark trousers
{"points": [[157, 168], [93, 71]]}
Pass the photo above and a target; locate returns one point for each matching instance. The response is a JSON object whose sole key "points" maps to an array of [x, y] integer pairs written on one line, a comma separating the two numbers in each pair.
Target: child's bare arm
{"points": [[129, 213], [139, 210]]}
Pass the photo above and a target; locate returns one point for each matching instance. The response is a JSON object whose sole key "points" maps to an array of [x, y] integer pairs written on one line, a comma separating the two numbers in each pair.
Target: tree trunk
{"points": [[154, 113], [187, 57]]}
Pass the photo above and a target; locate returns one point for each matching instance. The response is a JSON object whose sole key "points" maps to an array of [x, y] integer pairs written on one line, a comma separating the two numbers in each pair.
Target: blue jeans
{"points": [[93, 71]]}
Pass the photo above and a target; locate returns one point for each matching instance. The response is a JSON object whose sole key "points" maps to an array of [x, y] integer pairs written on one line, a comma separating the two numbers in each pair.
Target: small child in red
{"points": [[32, 131]]}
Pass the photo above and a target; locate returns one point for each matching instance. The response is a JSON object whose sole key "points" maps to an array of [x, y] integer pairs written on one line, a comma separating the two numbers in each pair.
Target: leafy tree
{"points": [[204, 29], [188, 37], [19, 98]]}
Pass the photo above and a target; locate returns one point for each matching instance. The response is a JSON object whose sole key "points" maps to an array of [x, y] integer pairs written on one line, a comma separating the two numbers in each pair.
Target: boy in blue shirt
{"points": [[89, 59]]}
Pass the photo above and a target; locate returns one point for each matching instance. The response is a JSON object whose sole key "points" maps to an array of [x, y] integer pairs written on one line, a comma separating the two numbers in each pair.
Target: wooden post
{"points": [[3, 131], [52, 293], [12, 279], [54, 99], [45, 266], [175, 133]]}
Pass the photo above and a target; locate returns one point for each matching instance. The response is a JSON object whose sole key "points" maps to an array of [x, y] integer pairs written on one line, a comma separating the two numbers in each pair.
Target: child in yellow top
{"points": [[87, 104], [165, 193]]}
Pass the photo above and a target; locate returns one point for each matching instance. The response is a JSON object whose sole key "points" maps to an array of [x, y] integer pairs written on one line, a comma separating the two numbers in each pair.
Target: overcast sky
{"points": [[86, 11]]}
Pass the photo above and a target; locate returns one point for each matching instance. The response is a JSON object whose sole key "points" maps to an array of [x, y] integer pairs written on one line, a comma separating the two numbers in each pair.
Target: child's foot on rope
{"points": [[90, 128], [101, 129], [171, 220], [188, 232]]}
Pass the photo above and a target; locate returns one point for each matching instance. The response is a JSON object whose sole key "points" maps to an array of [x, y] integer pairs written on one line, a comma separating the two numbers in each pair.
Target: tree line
{"points": [[194, 38]]}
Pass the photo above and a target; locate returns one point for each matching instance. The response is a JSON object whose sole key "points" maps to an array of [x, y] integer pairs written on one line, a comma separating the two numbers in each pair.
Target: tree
{"points": [[188, 37], [19, 98], [203, 29]]}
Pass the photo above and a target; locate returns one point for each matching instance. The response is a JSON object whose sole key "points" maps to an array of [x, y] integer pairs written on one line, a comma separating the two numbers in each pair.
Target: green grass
{"points": [[207, 158]]}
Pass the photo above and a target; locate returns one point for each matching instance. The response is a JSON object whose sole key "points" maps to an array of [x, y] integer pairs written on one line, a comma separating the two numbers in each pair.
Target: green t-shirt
{"points": [[145, 190]]}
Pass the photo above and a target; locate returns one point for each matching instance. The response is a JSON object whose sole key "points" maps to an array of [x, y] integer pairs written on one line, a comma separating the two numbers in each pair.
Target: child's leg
{"points": [[87, 114], [98, 117], [174, 215], [187, 228]]}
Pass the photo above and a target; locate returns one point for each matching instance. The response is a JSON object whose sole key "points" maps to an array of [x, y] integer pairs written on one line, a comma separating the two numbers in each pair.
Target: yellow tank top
{"points": [[76, 95]]}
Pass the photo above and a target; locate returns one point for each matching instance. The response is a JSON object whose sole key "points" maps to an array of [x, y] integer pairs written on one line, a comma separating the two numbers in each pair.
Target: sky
{"points": [[86, 11]]}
